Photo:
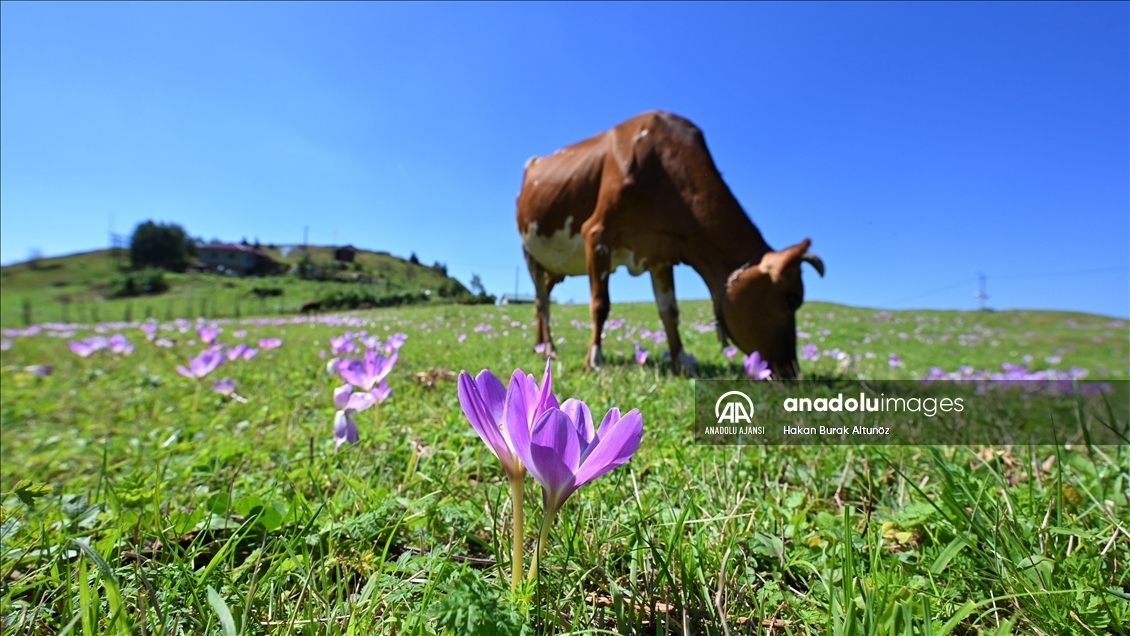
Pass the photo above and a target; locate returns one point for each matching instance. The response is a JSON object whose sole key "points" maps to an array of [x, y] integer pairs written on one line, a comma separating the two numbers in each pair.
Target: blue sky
{"points": [[914, 143]]}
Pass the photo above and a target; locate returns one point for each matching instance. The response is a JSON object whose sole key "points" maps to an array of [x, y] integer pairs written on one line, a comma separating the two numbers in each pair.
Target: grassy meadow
{"points": [[139, 501]]}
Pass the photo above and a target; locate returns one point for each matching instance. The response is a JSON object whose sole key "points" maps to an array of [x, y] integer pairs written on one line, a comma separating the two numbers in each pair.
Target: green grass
{"points": [[73, 288], [132, 506]]}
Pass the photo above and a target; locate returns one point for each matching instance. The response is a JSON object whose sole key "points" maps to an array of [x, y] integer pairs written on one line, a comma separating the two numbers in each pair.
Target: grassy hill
{"points": [[76, 287]]}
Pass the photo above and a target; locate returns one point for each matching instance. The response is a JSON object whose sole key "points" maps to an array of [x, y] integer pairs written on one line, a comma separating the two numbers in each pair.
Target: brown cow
{"points": [[646, 194]]}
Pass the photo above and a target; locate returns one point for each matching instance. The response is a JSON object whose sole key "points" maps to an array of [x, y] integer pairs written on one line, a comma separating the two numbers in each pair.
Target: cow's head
{"points": [[760, 303]]}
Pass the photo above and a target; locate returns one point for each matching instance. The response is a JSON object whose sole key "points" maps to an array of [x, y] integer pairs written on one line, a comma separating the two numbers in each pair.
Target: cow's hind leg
{"points": [[599, 262], [543, 285], [663, 284]]}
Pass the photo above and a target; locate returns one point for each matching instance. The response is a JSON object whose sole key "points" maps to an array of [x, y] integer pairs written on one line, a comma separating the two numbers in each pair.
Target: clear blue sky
{"points": [[914, 143]]}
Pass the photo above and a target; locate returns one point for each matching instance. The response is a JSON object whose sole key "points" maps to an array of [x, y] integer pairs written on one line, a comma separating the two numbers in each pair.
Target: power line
{"points": [[939, 290], [967, 281], [1081, 272]]}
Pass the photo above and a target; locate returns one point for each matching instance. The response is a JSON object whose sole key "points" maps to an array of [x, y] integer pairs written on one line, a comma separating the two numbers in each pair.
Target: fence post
{"points": [[27, 312]]}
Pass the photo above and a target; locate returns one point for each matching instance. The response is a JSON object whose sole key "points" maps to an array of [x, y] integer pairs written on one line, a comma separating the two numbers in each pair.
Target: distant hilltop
{"points": [[223, 279]]}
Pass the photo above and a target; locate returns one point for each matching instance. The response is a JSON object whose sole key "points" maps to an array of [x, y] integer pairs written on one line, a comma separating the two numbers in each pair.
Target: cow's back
{"points": [[660, 185]]}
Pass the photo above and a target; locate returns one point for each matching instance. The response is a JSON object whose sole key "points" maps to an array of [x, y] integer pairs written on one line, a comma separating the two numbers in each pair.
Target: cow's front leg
{"points": [[543, 285], [663, 284], [599, 260]]}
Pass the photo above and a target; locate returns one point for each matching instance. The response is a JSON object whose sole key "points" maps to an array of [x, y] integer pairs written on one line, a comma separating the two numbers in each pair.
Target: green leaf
{"points": [[28, 491], [948, 554], [962, 612], [227, 623]]}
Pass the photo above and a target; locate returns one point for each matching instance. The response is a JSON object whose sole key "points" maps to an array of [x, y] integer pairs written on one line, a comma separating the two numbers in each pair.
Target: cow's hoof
{"points": [[546, 351], [685, 365], [594, 360]]}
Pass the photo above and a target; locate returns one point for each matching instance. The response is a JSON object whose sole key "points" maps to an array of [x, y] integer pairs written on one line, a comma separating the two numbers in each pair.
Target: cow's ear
{"points": [[775, 263]]}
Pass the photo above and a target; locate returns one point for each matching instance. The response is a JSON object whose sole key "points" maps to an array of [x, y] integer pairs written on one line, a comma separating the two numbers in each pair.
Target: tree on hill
{"points": [[162, 245]]}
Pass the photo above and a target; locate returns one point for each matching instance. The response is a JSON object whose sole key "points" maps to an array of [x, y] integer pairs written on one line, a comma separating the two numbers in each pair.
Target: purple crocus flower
{"points": [[207, 336], [349, 404], [150, 330], [236, 351], [641, 354], [810, 352], [162, 342], [462, 337], [270, 343], [494, 410], [893, 361], [564, 452], [394, 343], [226, 386], [367, 372], [755, 367], [249, 353], [81, 347], [341, 344], [729, 352], [119, 344], [41, 370], [202, 364], [239, 334], [539, 347]]}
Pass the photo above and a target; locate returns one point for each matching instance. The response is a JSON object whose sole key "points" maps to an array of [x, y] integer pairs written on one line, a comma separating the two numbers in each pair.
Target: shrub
{"points": [[143, 283], [263, 292], [166, 246], [356, 299], [477, 299]]}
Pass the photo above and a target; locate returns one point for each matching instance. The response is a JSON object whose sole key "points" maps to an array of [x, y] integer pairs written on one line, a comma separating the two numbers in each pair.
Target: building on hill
{"points": [[516, 299], [237, 259], [345, 254]]}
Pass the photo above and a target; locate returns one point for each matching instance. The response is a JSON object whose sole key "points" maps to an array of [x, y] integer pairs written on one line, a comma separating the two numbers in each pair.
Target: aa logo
{"points": [[734, 407]]}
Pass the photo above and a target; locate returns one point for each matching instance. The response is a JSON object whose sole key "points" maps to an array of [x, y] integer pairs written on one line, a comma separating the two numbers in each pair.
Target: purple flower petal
{"points": [[360, 401], [581, 417], [480, 410], [555, 450], [612, 447], [345, 430], [515, 420], [341, 396], [381, 392]]}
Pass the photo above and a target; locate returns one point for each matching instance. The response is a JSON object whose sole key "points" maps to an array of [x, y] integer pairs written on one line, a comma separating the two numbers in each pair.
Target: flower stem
{"points": [[546, 524], [519, 528], [196, 398]]}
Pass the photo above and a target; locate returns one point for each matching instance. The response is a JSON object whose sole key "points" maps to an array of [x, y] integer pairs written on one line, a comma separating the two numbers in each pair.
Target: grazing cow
{"points": [[646, 194], [310, 306]]}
